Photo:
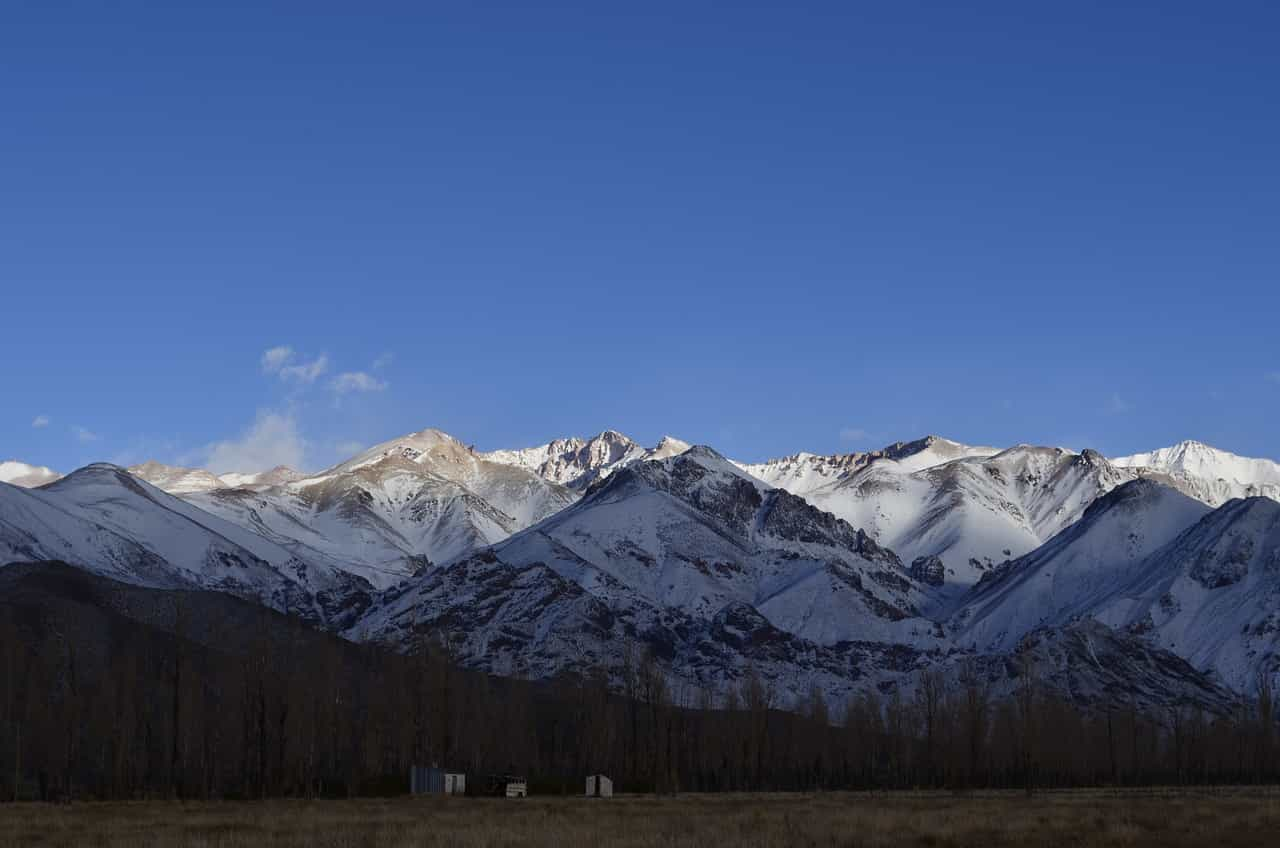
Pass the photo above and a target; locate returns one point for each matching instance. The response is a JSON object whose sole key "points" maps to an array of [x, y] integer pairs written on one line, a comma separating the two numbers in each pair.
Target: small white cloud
{"points": [[1118, 405], [306, 372], [383, 361], [85, 435], [283, 362], [276, 358], [40, 421], [356, 381], [854, 434], [272, 440]]}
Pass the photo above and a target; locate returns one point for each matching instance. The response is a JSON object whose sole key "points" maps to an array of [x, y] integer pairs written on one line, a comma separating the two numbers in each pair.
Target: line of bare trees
{"points": [[138, 712]]}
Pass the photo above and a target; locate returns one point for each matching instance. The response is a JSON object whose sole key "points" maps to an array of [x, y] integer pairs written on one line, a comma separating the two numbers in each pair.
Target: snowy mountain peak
{"points": [[1212, 475], [176, 480], [1201, 460], [706, 452], [24, 475], [709, 459], [578, 463], [411, 447], [669, 446]]}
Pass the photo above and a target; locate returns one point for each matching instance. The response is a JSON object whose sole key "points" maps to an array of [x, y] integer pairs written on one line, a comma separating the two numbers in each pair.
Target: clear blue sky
{"points": [[763, 227]]}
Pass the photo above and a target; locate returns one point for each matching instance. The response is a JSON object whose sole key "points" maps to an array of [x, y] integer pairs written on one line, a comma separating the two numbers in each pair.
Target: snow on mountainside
{"points": [[1213, 594], [105, 520], [27, 476], [424, 497], [803, 473], [577, 462], [708, 567], [1091, 666], [1214, 476], [1078, 569], [1202, 584], [949, 510], [256, 481], [846, 571]]}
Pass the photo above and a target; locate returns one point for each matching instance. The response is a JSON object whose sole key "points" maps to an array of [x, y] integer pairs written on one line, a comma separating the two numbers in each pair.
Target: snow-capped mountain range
{"points": [[843, 571], [106, 520]]}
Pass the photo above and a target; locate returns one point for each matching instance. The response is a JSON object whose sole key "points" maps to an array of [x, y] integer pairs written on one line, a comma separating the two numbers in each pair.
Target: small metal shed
{"points": [[599, 786], [436, 781]]}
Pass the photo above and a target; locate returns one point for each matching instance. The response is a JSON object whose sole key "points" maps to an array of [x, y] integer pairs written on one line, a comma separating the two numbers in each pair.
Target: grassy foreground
{"points": [[1082, 818]]}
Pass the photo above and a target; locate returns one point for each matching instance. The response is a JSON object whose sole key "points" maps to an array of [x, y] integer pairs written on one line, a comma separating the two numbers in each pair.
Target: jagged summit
{"points": [[577, 463], [803, 473]]}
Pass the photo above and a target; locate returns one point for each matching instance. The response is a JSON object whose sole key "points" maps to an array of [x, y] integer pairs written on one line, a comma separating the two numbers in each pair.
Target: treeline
{"points": [[216, 699]]}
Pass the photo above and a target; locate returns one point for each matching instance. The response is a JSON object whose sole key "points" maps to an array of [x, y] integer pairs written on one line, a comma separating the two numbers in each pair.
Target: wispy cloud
{"points": [[854, 434], [383, 361], [356, 381], [41, 421], [1117, 405], [283, 361], [85, 435], [275, 358], [306, 372], [1274, 377], [273, 439]]}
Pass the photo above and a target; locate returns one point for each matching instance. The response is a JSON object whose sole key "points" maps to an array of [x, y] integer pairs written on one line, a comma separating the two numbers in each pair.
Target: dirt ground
{"points": [[1183, 817]]}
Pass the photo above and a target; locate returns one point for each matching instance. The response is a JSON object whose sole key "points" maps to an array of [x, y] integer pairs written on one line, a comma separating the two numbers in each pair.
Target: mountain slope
{"points": [[1213, 594], [1092, 667], [1078, 569], [104, 520], [690, 557], [1203, 584]]}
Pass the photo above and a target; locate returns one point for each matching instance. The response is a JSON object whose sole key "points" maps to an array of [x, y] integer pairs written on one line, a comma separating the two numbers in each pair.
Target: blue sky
{"points": [[764, 227]]}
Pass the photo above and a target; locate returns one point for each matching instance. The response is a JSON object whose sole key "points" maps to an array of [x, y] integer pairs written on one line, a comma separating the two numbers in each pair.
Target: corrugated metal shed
{"points": [[424, 780]]}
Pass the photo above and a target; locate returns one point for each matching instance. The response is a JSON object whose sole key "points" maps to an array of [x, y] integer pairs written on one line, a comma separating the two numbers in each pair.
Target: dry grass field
{"points": [[1084, 818]]}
